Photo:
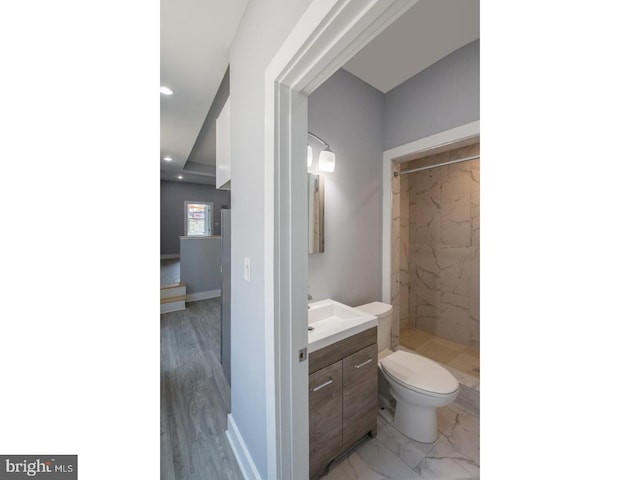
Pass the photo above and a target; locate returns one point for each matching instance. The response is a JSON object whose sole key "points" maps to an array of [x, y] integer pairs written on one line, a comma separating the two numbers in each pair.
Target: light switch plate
{"points": [[247, 269]]}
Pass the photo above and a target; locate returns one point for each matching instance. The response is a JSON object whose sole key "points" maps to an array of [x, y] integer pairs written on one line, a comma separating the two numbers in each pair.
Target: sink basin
{"points": [[331, 321]]}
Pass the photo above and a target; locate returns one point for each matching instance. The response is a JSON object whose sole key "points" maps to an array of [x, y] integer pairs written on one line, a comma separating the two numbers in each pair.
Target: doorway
{"points": [[327, 35]]}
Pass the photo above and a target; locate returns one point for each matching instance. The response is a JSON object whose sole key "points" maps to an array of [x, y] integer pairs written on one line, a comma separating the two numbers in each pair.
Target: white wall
{"points": [[264, 26], [347, 113]]}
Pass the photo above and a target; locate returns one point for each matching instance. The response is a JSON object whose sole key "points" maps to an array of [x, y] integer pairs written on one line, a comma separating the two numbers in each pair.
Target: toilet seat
{"points": [[419, 374]]}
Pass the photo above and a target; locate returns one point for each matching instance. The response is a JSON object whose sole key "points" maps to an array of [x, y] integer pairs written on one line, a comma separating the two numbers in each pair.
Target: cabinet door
{"points": [[325, 416], [360, 394]]}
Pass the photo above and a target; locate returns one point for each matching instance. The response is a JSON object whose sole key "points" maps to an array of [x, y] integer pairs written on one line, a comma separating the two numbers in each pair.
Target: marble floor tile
{"points": [[461, 430], [466, 363], [408, 450], [414, 338], [456, 453], [445, 462], [353, 468], [392, 455], [468, 398], [446, 469], [439, 350], [473, 351], [382, 461], [448, 343]]}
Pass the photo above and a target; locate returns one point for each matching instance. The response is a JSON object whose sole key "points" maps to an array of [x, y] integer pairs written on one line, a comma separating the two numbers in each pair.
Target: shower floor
{"points": [[460, 357]]}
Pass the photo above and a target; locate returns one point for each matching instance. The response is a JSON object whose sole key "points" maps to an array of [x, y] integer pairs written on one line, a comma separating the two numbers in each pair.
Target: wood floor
{"points": [[195, 397]]}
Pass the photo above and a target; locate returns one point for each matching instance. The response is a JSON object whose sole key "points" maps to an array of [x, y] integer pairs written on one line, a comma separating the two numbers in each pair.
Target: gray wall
{"points": [[443, 96], [172, 198], [348, 114], [354, 118], [200, 260]]}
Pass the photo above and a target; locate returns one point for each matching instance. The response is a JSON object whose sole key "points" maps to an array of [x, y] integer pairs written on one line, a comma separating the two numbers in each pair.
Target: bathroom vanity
{"points": [[343, 396]]}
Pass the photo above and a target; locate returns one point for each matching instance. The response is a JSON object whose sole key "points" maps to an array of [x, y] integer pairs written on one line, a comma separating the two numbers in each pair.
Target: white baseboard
{"points": [[194, 297], [169, 256], [248, 468]]}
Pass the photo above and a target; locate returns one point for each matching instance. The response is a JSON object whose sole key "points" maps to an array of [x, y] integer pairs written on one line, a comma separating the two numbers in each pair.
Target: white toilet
{"points": [[418, 385]]}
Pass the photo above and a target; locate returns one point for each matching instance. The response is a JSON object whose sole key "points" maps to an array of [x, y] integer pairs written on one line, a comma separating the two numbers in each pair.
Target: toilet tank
{"points": [[383, 312]]}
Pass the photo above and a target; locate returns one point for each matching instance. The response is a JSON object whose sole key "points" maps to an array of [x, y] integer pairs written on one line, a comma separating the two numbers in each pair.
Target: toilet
{"points": [[417, 384]]}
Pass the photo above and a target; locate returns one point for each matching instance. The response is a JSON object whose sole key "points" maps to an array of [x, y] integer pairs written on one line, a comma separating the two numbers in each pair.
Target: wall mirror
{"points": [[315, 184]]}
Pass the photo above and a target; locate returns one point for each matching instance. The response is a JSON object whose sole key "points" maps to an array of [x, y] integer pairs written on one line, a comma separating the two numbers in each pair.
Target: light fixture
{"points": [[327, 159], [167, 158], [165, 90], [179, 177]]}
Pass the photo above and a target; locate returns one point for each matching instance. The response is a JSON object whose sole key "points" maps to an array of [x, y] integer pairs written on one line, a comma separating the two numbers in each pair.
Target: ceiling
{"points": [[195, 36], [427, 32]]}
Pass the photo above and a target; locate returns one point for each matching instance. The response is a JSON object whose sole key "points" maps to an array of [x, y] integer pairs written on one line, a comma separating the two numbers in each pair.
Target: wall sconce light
{"points": [[327, 159]]}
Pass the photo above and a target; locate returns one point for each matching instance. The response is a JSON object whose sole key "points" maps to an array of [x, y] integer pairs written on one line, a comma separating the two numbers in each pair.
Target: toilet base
{"points": [[420, 424], [414, 412], [420, 432]]}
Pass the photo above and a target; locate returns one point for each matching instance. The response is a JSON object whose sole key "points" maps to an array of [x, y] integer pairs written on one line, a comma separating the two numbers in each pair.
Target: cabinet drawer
{"points": [[360, 394], [337, 351], [325, 416]]}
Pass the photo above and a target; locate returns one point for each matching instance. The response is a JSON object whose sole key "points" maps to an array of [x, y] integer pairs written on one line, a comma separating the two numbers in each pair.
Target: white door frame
{"points": [[328, 34], [448, 139]]}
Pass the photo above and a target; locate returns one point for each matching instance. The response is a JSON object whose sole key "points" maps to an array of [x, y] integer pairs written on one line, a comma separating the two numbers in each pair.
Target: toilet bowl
{"points": [[417, 384]]}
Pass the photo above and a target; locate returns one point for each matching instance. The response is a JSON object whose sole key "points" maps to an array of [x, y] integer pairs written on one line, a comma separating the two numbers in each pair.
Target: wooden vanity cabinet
{"points": [[343, 397], [325, 415], [359, 394]]}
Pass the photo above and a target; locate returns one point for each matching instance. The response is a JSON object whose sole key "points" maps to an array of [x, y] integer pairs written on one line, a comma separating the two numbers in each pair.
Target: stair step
{"points": [[177, 298], [167, 307], [173, 297], [173, 290]]}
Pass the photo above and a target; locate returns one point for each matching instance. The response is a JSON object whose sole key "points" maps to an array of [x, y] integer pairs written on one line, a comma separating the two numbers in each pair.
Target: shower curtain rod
{"points": [[466, 159]]}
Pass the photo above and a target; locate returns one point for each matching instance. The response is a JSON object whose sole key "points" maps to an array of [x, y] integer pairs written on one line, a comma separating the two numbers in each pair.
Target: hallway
{"points": [[195, 397]]}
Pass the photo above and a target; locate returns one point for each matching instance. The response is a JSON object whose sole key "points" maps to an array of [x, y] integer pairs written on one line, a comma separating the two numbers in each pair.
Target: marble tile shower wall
{"points": [[399, 257], [437, 223]]}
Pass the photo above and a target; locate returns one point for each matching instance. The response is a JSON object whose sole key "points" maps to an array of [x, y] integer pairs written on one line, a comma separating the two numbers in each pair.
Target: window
{"points": [[197, 219]]}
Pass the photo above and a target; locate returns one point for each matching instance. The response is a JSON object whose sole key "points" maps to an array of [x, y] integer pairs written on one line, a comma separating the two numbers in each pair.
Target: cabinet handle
{"points": [[329, 382], [363, 363]]}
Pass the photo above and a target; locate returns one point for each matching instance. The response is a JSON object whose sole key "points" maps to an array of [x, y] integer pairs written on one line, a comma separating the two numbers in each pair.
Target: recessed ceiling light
{"points": [[165, 90], [167, 158], [180, 177]]}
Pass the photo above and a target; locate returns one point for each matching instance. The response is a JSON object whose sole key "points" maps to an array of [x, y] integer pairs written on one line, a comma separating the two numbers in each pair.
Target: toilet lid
{"points": [[419, 372]]}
